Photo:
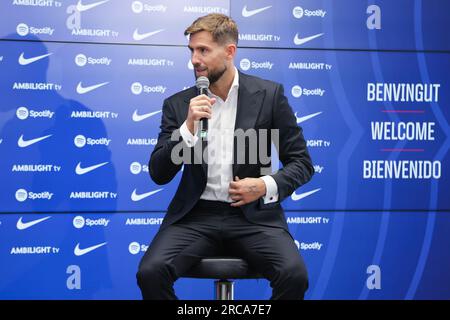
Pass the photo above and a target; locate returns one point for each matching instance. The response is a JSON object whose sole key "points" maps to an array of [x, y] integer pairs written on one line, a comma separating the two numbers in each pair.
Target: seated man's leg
{"points": [[173, 251], [273, 252]]}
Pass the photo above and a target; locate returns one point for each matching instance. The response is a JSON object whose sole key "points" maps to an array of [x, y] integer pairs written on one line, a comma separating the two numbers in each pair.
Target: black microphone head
{"points": [[202, 83]]}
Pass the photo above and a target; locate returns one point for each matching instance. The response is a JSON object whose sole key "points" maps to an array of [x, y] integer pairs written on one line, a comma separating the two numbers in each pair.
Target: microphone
{"points": [[202, 84]]}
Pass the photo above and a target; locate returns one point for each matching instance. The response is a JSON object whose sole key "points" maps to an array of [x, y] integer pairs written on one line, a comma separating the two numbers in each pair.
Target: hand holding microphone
{"points": [[200, 108]]}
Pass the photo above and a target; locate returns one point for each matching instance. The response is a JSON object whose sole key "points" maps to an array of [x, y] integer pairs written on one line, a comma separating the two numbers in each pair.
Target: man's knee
{"points": [[295, 274], [151, 272]]}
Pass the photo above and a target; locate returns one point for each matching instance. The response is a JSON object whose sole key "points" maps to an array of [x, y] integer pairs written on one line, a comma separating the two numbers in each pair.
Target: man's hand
{"points": [[199, 107], [246, 190]]}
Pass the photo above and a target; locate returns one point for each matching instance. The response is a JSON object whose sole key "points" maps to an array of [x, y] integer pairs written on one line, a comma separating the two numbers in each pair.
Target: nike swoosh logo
{"points": [[85, 7], [137, 117], [24, 61], [80, 252], [25, 225], [139, 197], [297, 197], [248, 13], [304, 118], [25, 143], [83, 90], [141, 36], [79, 170], [298, 41]]}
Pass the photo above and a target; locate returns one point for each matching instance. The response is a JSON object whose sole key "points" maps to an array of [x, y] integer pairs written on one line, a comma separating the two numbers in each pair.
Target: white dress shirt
{"points": [[220, 148]]}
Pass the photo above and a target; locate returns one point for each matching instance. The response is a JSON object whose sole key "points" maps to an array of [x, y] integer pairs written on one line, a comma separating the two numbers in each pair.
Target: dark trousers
{"points": [[215, 228]]}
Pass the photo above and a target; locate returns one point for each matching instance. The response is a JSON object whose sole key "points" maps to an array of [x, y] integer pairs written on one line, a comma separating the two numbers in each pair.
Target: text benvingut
{"points": [[403, 92]]}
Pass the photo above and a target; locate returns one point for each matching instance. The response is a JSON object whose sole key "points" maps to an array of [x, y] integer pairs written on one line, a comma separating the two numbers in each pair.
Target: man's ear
{"points": [[230, 50]]}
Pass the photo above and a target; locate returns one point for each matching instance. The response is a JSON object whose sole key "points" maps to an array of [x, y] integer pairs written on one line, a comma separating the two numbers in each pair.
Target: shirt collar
{"points": [[235, 83]]}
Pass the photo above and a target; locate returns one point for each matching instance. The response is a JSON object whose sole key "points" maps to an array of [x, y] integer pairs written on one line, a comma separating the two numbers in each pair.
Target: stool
{"points": [[222, 269]]}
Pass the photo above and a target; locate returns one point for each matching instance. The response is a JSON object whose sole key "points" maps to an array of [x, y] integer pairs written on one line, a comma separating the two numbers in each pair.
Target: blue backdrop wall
{"points": [[81, 90]]}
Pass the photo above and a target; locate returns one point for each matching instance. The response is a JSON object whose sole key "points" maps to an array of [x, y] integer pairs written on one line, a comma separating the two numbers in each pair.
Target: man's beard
{"points": [[214, 76]]}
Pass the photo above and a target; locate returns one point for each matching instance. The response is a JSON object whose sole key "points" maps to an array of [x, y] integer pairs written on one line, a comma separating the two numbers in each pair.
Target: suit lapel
{"points": [[249, 103]]}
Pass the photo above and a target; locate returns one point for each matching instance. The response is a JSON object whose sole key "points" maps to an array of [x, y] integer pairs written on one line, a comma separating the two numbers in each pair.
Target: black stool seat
{"points": [[222, 268]]}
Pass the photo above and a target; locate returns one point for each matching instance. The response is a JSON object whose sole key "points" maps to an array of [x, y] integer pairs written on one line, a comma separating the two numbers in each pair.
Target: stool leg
{"points": [[224, 290]]}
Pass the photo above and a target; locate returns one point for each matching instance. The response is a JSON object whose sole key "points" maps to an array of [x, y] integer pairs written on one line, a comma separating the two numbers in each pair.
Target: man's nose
{"points": [[194, 59]]}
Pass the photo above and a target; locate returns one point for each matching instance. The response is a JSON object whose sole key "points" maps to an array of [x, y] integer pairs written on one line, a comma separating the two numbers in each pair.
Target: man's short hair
{"points": [[222, 28]]}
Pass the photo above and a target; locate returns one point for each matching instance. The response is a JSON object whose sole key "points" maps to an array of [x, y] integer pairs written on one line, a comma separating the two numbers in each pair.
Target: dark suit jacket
{"points": [[261, 105]]}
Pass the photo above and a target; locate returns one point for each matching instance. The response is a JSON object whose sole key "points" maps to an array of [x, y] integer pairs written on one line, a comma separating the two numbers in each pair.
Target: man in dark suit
{"points": [[211, 212]]}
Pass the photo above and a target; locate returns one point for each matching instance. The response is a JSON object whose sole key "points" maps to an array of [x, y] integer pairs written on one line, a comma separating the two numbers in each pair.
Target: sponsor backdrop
{"points": [[81, 90]]}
